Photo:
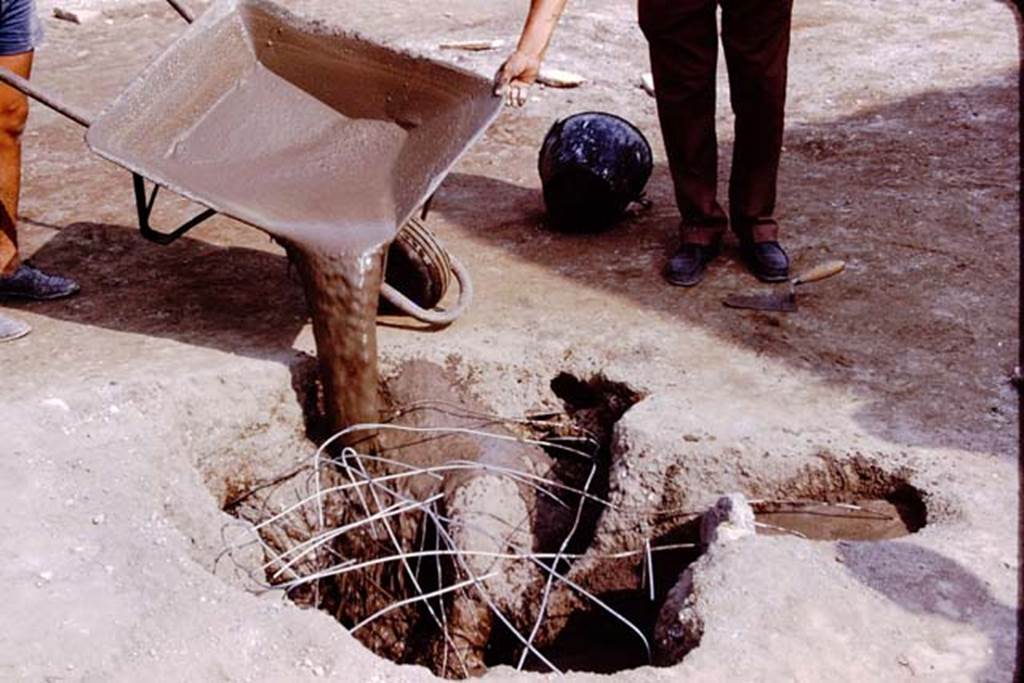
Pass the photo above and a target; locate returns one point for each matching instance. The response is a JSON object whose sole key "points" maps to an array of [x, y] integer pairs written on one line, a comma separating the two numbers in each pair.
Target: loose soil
{"points": [[180, 379]]}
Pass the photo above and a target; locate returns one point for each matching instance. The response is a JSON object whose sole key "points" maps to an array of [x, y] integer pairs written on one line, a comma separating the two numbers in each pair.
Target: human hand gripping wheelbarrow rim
{"points": [[414, 239]]}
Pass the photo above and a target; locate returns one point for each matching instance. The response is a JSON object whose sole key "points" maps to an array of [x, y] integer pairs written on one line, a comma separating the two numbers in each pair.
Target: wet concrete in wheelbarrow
{"points": [[322, 139], [182, 371]]}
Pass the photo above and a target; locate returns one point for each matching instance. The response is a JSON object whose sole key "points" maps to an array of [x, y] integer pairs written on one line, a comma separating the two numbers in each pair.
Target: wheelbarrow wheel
{"points": [[417, 276], [418, 267], [419, 273]]}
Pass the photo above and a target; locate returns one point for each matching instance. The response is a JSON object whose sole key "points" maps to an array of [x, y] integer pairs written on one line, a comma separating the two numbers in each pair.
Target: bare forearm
{"points": [[521, 68], [540, 25]]}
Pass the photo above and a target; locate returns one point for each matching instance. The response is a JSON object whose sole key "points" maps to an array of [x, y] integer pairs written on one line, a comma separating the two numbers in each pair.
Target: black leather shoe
{"points": [[767, 261], [686, 267]]}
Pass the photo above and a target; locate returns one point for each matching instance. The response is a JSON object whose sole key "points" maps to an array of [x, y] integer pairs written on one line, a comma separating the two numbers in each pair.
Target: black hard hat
{"points": [[592, 165]]}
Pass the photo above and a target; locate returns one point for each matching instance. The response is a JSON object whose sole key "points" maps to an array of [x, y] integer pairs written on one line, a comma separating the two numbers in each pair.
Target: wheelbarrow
{"points": [[297, 129]]}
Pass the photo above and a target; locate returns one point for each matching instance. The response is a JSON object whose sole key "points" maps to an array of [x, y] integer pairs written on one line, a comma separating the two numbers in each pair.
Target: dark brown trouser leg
{"points": [[683, 39], [755, 36]]}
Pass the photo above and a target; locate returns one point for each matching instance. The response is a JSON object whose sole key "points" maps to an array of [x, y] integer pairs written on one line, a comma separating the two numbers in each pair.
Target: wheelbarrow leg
{"points": [[144, 206]]}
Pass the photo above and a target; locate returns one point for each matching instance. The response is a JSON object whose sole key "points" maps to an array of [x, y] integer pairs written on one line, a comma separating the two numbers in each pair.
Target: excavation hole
{"points": [[871, 519], [853, 501], [594, 641], [433, 549], [439, 548]]}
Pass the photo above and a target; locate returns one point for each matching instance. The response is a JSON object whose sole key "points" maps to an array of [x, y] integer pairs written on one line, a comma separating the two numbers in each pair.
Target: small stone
{"points": [[472, 45], [99, 519], [647, 83], [58, 403], [558, 78], [692, 438], [730, 519], [319, 671], [66, 15], [679, 625], [46, 576]]}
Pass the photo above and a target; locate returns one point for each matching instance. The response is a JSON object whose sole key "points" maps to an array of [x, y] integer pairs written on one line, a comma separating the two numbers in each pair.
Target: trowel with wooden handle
{"points": [[785, 302]]}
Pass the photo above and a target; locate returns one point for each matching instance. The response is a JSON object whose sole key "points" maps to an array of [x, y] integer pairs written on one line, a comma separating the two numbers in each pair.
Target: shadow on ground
{"points": [[924, 582], [233, 299], [918, 197], [237, 300]]}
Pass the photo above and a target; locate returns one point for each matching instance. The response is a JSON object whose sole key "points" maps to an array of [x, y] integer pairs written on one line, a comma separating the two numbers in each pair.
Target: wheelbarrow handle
{"points": [[143, 204], [55, 103], [43, 97], [435, 317], [182, 11]]}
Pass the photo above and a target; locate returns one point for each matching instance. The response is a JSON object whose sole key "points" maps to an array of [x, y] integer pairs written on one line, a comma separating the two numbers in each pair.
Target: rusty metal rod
{"points": [[22, 84], [182, 10]]}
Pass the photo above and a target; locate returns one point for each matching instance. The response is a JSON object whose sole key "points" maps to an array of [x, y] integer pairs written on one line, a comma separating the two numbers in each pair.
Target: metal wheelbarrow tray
{"points": [[318, 136], [308, 133]]}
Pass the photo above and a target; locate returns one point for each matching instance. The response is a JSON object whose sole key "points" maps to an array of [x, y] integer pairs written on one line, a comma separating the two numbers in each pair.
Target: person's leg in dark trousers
{"points": [[683, 38], [755, 37]]}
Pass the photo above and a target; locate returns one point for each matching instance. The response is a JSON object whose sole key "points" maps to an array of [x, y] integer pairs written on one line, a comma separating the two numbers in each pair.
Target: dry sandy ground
{"points": [[132, 408]]}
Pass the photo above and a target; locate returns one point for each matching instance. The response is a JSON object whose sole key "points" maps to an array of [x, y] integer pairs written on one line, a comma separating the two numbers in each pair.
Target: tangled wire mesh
{"points": [[393, 562]]}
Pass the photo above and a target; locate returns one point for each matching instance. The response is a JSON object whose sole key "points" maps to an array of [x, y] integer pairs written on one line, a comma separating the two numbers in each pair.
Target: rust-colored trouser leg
{"points": [[683, 39], [13, 112]]}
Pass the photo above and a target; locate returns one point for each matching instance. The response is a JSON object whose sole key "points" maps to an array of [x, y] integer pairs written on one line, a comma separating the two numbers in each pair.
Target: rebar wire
{"points": [[546, 596], [501, 437], [485, 596], [348, 566], [360, 479], [398, 548], [419, 598], [564, 579]]}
